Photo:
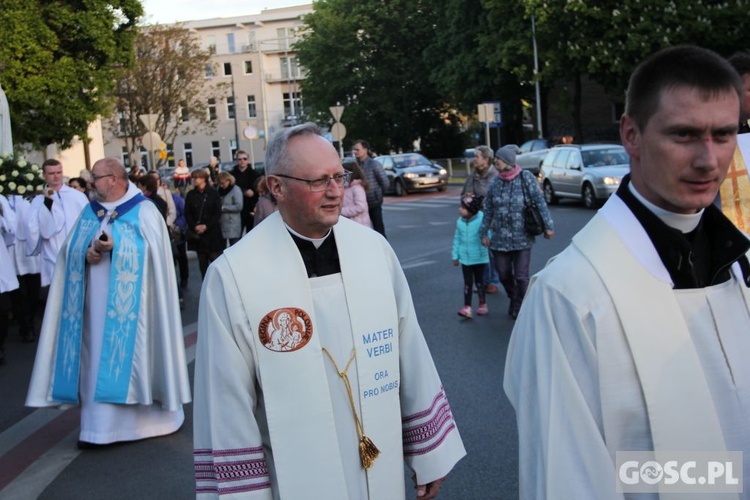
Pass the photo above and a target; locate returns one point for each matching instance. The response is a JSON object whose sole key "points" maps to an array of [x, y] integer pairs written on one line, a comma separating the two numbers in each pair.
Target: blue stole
{"points": [[123, 305]]}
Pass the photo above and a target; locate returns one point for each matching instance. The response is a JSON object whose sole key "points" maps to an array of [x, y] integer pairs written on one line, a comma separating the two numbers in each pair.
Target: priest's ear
{"points": [[275, 186]]}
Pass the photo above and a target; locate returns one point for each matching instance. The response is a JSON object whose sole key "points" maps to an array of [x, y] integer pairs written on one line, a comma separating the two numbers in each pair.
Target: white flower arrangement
{"points": [[18, 176]]}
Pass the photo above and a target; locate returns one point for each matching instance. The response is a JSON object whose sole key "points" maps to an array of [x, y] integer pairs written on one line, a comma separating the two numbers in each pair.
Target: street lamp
{"points": [[234, 103], [536, 81]]}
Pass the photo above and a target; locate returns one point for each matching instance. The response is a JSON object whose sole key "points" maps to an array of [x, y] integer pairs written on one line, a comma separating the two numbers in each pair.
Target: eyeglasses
{"points": [[97, 177], [316, 185], [242, 158]]}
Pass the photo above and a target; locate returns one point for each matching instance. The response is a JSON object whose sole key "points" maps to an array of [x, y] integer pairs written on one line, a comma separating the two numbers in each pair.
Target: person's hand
{"points": [[455, 262], [200, 228], [549, 233], [486, 241], [249, 193], [104, 243], [93, 256], [429, 490]]}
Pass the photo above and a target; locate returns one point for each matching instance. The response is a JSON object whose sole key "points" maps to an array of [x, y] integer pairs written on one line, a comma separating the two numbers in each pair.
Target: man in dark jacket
{"points": [[245, 178], [377, 181]]}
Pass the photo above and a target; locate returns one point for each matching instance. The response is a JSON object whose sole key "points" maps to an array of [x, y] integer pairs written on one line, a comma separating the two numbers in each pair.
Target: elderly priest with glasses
{"points": [[312, 376]]}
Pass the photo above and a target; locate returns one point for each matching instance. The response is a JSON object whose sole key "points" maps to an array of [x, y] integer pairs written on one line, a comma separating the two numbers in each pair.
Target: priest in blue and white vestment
{"points": [[111, 338]]}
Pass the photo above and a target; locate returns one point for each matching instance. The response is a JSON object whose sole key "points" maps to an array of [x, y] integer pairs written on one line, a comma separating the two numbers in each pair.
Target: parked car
{"points": [[531, 155], [588, 172], [409, 172]]}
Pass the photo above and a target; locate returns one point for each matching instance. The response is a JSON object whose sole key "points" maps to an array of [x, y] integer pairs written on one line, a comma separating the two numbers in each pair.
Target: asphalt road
{"points": [[38, 457]]}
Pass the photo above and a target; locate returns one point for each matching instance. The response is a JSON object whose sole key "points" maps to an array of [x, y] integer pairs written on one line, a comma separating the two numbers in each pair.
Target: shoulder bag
{"points": [[532, 219]]}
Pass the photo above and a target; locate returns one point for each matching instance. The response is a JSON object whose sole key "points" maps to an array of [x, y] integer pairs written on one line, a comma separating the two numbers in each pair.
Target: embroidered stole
{"points": [[680, 409], [294, 385], [123, 305], [735, 190]]}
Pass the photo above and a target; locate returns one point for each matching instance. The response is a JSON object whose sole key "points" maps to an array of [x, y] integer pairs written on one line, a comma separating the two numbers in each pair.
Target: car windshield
{"points": [[605, 157], [410, 160]]}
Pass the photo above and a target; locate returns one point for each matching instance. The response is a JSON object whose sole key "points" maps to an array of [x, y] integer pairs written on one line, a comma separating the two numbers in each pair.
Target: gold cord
{"points": [[368, 452]]}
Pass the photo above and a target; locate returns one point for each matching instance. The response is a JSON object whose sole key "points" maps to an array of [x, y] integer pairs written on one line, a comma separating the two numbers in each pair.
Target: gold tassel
{"points": [[368, 452]]}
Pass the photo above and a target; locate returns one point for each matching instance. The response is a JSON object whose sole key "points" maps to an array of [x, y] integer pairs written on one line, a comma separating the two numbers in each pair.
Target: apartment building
{"points": [[252, 54]]}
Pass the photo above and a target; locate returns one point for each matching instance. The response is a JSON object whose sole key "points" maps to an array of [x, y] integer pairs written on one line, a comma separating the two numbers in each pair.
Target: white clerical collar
{"points": [[315, 241], [682, 222], [131, 192]]}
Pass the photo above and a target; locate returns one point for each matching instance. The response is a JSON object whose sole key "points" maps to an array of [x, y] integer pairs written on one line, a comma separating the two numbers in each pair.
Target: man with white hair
{"points": [[113, 317]]}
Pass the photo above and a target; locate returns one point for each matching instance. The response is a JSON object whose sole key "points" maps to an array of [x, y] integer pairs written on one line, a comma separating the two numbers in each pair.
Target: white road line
{"points": [[418, 264], [34, 480]]}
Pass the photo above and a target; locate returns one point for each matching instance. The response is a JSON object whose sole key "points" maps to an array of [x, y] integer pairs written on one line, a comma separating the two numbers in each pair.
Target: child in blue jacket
{"points": [[469, 252]]}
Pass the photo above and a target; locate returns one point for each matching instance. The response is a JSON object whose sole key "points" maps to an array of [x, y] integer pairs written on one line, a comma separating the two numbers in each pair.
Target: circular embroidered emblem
{"points": [[285, 330]]}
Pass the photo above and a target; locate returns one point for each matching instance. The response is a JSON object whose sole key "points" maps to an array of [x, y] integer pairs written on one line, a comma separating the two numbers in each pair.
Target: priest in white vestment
{"points": [[312, 376], [111, 339], [24, 299], [8, 281], [52, 217], [636, 338]]}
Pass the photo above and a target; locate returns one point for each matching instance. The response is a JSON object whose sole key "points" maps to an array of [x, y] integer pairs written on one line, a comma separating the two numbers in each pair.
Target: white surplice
{"points": [[48, 229], [270, 423], [16, 212], [159, 384], [8, 280], [576, 368]]}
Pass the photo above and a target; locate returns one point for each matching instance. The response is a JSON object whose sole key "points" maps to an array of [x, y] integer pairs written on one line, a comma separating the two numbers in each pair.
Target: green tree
{"points": [[369, 56], [167, 79], [58, 62]]}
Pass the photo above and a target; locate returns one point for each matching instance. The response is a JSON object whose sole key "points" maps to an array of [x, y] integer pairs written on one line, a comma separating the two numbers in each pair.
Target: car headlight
{"points": [[409, 175], [611, 181], [443, 171]]}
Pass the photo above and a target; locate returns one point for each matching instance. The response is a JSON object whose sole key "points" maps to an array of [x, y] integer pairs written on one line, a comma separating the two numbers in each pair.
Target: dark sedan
{"points": [[409, 172]]}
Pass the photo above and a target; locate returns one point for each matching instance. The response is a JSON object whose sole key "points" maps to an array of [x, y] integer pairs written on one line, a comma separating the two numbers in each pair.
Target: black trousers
{"points": [[376, 217], [473, 274]]}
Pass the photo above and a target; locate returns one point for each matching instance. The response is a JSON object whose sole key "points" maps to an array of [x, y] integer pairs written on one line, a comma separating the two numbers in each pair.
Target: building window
{"points": [[227, 69], [230, 108], [252, 111], [212, 109], [248, 67], [184, 112], [285, 36], [230, 43], [215, 149], [289, 68], [123, 122], [170, 155], [232, 148], [251, 45], [209, 70], [211, 44], [188, 154], [125, 157], [292, 105]]}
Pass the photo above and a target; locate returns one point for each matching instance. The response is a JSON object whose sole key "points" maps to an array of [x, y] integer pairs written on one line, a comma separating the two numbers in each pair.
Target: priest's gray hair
{"points": [[278, 160]]}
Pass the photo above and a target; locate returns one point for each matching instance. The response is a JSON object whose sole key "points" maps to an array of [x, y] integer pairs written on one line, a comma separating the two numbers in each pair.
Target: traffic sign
{"points": [[337, 111], [338, 131], [250, 132]]}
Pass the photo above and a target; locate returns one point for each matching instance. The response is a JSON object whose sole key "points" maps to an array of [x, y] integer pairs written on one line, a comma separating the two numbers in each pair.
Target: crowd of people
{"points": [[634, 338]]}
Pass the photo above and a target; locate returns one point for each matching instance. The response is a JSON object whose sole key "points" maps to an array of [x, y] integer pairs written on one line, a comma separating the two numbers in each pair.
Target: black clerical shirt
{"points": [[320, 261], [696, 259]]}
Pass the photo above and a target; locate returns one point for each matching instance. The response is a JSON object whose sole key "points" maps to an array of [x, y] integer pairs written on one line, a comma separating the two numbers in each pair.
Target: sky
{"points": [[170, 11]]}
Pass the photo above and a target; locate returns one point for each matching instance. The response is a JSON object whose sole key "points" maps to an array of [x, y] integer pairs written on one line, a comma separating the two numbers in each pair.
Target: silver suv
{"points": [[589, 172]]}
